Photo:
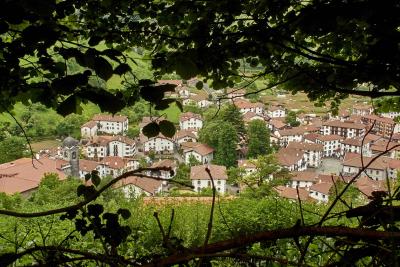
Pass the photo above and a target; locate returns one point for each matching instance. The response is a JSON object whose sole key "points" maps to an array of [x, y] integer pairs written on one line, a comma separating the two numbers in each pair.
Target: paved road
{"points": [[330, 165]]}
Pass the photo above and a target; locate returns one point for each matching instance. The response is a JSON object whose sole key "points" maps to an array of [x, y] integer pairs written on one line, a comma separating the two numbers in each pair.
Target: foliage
{"points": [[291, 119], [258, 139], [183, 174], [230, 113], [12, 148], [226, 145], [133, 132]]}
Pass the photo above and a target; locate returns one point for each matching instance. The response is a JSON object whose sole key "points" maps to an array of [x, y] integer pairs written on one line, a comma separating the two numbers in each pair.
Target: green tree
{"points": [[133, 131], [291, 119], [227, 145], [210, 132], [232, 114], [258, 139], [183, 174], [12, 148], [70, 125]]}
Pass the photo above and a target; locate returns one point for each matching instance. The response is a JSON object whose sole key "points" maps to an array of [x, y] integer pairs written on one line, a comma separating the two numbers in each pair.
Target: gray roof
{"points": [[70, 142]]}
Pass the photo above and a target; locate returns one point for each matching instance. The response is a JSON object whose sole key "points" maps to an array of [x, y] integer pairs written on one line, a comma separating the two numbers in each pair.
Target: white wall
{"points": [[220, 185]]}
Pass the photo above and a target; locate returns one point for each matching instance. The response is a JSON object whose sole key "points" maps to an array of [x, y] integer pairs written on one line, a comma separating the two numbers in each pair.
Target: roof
{"points": [[306, 146], [354, 141], [354, 160], [321, 188], [20, 175], [311, 136], [291, 193], [289, 156], [189, 115], [106, 117], [201, 149], [169, 163], [250, 115], [175, 82], [379, 119], [385, 145], [366, 185], [70, 142], [88, 165], [114, 162], [184, 133], [305, 176], [89, 124], [236, 91], [277, 123], [199, 97], [245, 163], [330, 137], [344, 124], [199, 172], [146, 184], [103, 140], [241, 103]]}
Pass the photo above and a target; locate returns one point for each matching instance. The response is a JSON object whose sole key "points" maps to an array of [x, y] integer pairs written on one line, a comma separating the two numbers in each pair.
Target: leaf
{"points": [[103, 68], [124, 213], [95, 40], [88, 176], [150, 130], [122, 69], [96, 180], [151, 94], [199, 85], [80, 190], [167, 128], [68, 106], [164, 104], [7, 259], [95, 209], [166, 87]]}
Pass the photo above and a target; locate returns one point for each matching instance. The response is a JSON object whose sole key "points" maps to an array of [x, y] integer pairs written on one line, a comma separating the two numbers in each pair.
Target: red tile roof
{"points": [[289, 156], [146, 184], [106, 117], [89, 124], [305, 176], [321, 188], [291, 193], [189, 115], [344, 124], [306, 146], [199, 172]]}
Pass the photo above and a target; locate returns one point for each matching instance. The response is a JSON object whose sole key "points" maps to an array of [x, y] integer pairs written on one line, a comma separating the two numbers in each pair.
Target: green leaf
{"points": [[167, 128], [151, 130], [199, 85], [103, 68], [124, 213]]}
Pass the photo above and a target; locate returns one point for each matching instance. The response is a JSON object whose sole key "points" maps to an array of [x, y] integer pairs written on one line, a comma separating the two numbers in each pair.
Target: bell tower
{"points": [[70, 153]]}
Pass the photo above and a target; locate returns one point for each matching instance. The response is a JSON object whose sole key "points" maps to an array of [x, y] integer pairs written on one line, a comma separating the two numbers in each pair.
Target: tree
{"points": [[232, 114], [12, 148], [291, 119], [227, 145], [258, 139], [183, 174]]}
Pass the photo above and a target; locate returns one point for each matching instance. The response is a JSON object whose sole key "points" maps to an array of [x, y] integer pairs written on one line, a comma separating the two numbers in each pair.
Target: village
{"points": [[318, 152]]}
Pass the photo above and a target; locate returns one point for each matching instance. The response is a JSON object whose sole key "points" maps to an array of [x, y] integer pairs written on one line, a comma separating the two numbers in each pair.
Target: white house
{"points": [[110, 124], [165, 174], [235, 93], [190, 121], [303, 179], [276, 111], [201, 179], [102, 146], [291, 159], [89, 129], [347, 129], [312, 152], [251, 116], [87, 166], [287, 136], [331, 144], [202, 100], [184, 136], [201, 152], [247, 165], [353, 145], [134, 186], [158, 144], [245, 106], [113, 166], [320, 191]]}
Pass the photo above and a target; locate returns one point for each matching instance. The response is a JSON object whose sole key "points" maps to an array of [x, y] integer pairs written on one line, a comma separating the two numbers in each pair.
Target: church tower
{"points": [[70, 153]]}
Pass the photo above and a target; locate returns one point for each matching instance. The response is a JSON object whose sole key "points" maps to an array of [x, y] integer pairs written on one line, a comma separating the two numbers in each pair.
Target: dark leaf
{"points": [[124, 213], [167, 128], [96, 180], [103, 68], [166, 87], [151, 94], [80, 190], [122, 69], [95, 209], [151, 130], [179, 105], [7, 259], [164, 104], [68, 106], [199, 85], [95, 40], [88, 176]]}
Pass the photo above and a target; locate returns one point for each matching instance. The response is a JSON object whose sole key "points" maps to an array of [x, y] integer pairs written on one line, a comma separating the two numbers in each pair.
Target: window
{"points": [[198, 182], [218, 182], [209, 183]]}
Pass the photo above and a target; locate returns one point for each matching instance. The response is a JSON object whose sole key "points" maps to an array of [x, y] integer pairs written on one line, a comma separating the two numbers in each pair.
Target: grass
{"points": [[45, 144], [173, 113]]}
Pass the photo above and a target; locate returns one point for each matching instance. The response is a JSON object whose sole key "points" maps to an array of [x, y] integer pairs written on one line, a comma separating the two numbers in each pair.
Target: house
{"points": [[250, 116], [246, 106], [202, 100], [367, 186], [101, 146], [291, 193], [331, 144], [276, 111], [183, 136], [381, 125], [312, 152], [391, 114], [355, 145], [134, 186], [235, 93], [291, 159], [379, 168], [392, 149], [170, 171], [111, 124], [362, 109], [146, 120], [347, 129], [87, 166], [89, 129], [201, 179], [303, 179], [112, 166], [320, 191], [190, 121], [276, 124], [24, 175], [289, 135], [158, 144], [201, 152], [247, 165]]}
